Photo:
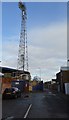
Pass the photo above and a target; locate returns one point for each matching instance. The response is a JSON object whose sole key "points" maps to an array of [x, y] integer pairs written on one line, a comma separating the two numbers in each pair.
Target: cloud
{"points": [[47, 50], [48, 42], [0, 31], [35, 0], [10, 51]]}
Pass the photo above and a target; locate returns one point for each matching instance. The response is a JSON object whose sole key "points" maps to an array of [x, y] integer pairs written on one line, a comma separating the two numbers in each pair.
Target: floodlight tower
{"points": [[23, 49]]}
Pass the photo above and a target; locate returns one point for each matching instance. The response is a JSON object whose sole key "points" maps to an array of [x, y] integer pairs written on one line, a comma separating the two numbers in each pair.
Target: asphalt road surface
{"points": [[37, 105]]}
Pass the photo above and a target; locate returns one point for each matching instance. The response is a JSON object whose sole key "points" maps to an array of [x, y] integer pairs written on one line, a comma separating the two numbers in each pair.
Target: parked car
{"points": [[12, 92]]}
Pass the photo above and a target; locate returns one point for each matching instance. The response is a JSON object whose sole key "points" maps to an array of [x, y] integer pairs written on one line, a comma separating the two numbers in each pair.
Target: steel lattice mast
{"points": [[23, 49]]}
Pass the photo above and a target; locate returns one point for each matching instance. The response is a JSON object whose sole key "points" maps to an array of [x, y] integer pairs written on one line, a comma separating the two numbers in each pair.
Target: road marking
{"points": [[54, 94], [26, 114]]}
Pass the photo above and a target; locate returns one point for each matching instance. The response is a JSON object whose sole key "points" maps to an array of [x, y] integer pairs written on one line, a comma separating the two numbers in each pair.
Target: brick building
{"points": [[11, 74], [62, 77]]}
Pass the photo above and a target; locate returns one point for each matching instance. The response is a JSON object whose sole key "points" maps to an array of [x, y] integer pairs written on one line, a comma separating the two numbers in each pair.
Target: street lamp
{"points": [[0, 62], [68, 62], [40, 73]]}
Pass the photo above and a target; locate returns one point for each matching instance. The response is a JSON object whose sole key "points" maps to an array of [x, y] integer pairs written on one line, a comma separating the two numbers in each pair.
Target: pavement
{"points": [[36, 105], [0, 106]]}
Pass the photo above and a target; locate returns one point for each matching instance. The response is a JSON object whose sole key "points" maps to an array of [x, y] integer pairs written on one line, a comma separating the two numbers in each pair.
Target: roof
{"points": [[10, 70], [5, 69], [64, 68], [57, 73], [53, 79]]}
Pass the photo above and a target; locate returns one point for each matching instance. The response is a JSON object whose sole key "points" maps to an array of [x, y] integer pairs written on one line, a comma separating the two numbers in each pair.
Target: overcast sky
{"points": [[47, 36], [35, 0]]}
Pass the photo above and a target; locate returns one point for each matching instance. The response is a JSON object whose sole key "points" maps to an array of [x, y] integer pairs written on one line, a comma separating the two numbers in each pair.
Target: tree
{"points": [[36, 78]]}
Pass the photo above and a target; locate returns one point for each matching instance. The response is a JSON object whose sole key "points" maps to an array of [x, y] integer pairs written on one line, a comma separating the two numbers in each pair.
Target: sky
{"points": [[35, 0], [46, 36], [68, 34], [0, 33]]}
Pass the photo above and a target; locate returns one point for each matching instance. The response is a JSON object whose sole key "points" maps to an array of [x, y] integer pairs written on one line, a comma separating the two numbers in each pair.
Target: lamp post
{"points": [[40, 73], [68, 62], [0, 65], [0, 61]]}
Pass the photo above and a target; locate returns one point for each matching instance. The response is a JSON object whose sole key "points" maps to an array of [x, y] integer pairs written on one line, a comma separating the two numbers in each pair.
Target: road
{"points": [[37, 105]]}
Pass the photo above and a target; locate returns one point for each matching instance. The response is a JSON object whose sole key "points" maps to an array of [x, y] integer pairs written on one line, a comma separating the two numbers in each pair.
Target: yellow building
{"points": [[31, 84]]}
